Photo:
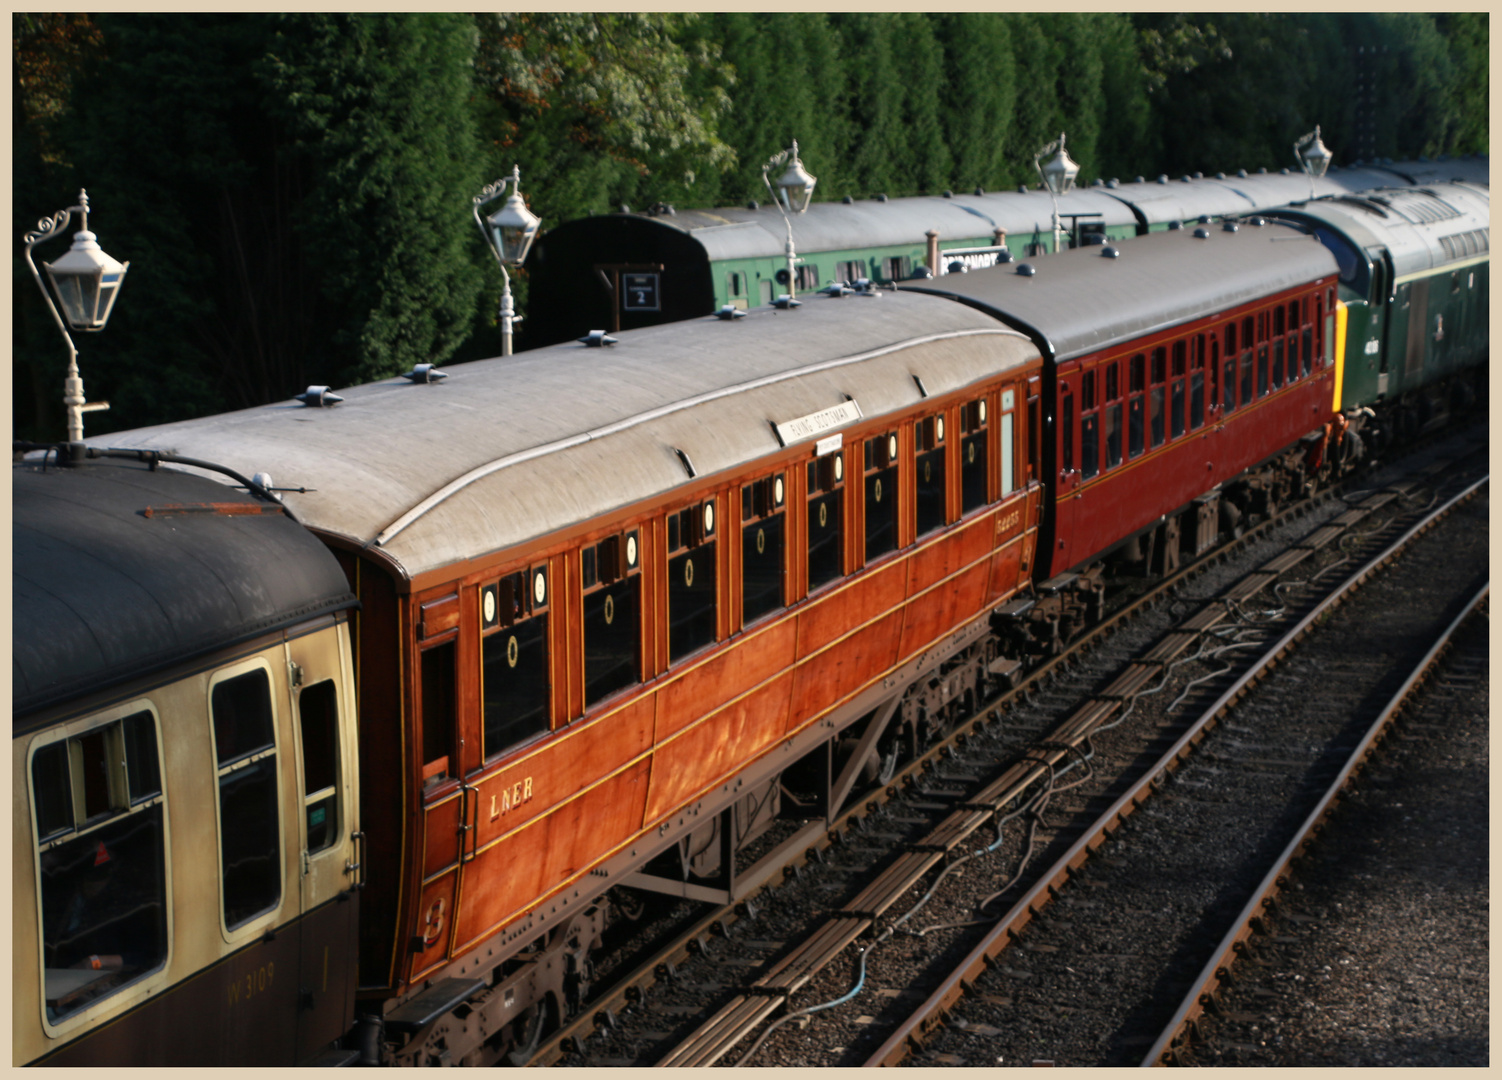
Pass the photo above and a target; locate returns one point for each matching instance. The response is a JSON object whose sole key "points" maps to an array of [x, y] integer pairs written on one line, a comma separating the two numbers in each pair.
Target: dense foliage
{"points": [[293, 191]]}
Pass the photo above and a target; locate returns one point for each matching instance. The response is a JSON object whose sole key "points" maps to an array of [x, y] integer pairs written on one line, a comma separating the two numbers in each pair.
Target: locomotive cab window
{"points": [[691, 580], [763, 532], [514, 658], [98, 809], [826, 492], [250, 834], [973, 457], [881, 495], [928, 434], [611, 583]]}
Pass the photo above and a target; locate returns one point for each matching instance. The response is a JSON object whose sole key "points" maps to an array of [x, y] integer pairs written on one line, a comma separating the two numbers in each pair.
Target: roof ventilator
{"points": [[786, 302], [318, 397], [1202, 233], [730, 313], [1109, 252], [1026, 269], [1229, 226], [425, 373], [836, 289], [597, 338]]}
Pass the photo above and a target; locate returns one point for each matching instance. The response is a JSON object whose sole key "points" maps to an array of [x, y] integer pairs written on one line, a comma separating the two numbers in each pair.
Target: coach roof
{"points": [[105, 592], [1082, 301], [509, 450]]}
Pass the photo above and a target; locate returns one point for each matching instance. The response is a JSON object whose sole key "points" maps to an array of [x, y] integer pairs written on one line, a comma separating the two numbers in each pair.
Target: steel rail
{"points": [[930, 1014], [1217, 970]]}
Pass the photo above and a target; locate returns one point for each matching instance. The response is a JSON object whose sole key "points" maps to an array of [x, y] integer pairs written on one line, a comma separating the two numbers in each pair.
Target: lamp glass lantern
{"points": [[512, 229], [86, 281], [1060, 171], [796, 184], [1317, 158]]}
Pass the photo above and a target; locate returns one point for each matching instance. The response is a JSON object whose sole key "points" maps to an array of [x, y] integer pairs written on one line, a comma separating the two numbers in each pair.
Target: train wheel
{"points": [[529, 1028]]}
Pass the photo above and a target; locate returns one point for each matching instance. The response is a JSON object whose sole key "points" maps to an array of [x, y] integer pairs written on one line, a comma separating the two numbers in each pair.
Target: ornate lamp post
{"points": [[796, 188], [1313, 155], [509, 233], [86, 281], [1058, 176]]}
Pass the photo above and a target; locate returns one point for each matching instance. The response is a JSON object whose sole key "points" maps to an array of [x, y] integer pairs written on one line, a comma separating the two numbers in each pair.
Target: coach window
{"points": [[1228, 383], [250, 834], [101, 859], [514, 658], [1308, 338], [1178, 361], [439, 716], [1110, 386], [826, 486], [1248, 354], [881, 495], [1262, 354], [1277, 346], [1089, 426], [610, 579], [1156, 394], [763, 531], [1197, 383], [1008, 412], [928, 435], [318, 726], [1136, 432], [973, 489], [691, 580]]}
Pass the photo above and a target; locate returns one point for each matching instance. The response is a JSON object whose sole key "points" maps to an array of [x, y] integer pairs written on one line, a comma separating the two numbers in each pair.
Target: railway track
{"points": [[1124, 930], [1369, 956], [934, 810]]}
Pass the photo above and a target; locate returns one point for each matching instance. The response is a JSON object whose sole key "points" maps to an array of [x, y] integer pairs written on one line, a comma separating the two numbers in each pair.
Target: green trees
{"points": [[293, 191]]}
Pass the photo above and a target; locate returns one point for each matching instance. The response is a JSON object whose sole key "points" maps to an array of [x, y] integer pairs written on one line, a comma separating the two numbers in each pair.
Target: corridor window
{"points": [[928, 434], [691, 580], [610, 578], [973, 427], [881, 495], [763, 531], [514, 658], [826, 492]]}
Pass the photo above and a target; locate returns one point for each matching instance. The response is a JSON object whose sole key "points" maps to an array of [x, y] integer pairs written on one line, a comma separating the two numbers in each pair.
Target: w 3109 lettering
{"points": [[251, 983]]}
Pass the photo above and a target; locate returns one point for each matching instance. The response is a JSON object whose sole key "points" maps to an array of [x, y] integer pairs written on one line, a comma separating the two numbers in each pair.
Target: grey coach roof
{"points": [[1080, 301], [103, 593], [741, 233], [507, 450]]}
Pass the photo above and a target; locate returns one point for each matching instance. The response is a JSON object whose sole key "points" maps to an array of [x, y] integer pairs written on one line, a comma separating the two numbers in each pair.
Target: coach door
{"points": [[322, 709]]}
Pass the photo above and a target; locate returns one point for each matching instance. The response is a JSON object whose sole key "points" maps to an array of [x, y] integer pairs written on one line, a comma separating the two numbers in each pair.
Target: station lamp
{"points": [[508, 233], [87, 282], [795, 190], [1313, 155], [1058, 176]]}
